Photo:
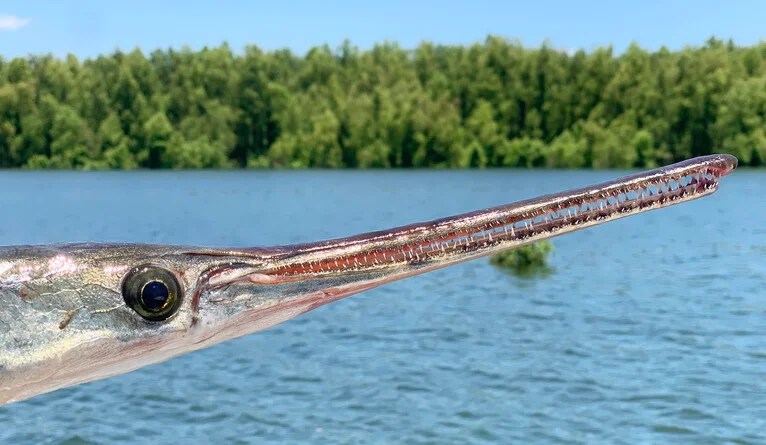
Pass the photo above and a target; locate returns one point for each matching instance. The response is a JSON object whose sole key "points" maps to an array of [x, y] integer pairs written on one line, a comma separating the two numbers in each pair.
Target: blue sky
{"points": [[91, 27]]}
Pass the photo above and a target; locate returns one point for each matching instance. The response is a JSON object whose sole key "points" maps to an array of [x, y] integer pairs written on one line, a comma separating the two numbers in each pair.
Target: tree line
{"points": [[492, 104]]}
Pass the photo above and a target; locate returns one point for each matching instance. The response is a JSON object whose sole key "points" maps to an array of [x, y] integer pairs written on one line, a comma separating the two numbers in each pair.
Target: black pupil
{"points": [[154, 295]]}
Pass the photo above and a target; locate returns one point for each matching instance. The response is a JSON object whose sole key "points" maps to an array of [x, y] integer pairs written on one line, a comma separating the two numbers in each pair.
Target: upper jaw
{"points": [[725, 163], [257, 285], [480, 232]]}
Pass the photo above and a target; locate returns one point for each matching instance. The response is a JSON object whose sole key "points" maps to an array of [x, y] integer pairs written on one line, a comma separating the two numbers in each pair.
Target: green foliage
{"points": [[741, 129], [568, 150], [494, 104], [199, 153], [527, 260], [115, 145]]}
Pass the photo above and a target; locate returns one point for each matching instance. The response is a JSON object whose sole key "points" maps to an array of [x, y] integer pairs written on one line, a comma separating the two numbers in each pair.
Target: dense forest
{"points": [[491, 104]]}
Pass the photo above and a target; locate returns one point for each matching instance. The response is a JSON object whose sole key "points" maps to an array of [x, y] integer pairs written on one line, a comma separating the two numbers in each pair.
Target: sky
{"points": [[88, 28]]}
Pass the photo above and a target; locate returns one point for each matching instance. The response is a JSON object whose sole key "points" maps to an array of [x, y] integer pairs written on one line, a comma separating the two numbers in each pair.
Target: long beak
{"points": [[290, 280]]}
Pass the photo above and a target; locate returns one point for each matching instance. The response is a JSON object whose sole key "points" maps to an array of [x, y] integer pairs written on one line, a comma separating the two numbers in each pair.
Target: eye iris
{"points": [[154, 295], [153, 292]]}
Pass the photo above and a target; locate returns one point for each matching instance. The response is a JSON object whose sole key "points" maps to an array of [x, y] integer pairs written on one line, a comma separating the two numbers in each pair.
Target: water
{"points": [[651, 330]]}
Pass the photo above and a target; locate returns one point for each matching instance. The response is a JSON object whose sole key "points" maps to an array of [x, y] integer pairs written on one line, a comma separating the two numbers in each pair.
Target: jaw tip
{"points": [[727, 163]]}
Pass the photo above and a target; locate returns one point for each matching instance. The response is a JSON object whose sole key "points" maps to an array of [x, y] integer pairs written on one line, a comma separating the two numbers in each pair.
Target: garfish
{"points": [[74, 313]]}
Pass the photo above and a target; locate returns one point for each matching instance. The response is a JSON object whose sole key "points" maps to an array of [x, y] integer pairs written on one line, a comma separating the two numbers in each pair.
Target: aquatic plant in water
{"points": [[528, 260]]}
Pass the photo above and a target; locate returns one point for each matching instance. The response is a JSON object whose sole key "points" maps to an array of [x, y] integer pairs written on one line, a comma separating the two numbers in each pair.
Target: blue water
{"points": [[652, 329]]}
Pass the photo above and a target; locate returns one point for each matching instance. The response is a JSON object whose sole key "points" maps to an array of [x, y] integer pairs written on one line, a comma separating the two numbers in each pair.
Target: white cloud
{"points": [[11, 22]]}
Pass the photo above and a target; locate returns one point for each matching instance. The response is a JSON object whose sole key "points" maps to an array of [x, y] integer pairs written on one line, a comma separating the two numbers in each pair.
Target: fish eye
{"points": [[153, 292]]}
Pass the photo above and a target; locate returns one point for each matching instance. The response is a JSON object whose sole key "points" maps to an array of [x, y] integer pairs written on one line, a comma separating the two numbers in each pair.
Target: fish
{"points": [[79, 312]]}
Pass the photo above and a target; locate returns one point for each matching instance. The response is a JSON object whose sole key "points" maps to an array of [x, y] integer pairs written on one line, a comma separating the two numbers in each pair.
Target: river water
{"points": [[651, 329]]}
